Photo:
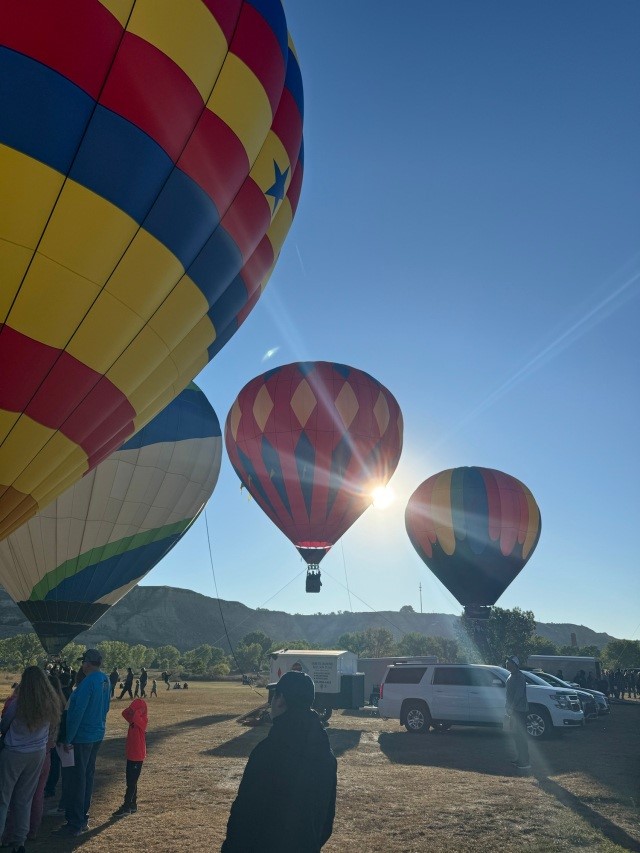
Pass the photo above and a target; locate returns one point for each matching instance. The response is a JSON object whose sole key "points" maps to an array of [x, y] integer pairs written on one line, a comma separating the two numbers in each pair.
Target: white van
{"points": [[442, 695]]}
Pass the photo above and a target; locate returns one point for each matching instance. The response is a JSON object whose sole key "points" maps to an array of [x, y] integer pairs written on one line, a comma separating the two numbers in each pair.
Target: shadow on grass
{"points": [[341, 740], [608, 828], [113, 750], [475, 750]]}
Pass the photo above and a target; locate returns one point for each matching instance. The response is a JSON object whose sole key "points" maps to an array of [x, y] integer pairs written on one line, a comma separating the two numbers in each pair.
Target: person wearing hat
{"points": [[287, 797], [517, 708], [85, 728]]}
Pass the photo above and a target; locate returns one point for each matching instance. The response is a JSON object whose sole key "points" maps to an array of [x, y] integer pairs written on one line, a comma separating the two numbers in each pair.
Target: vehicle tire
{"points": [[417, 718], [441, 727], [539, 723]]}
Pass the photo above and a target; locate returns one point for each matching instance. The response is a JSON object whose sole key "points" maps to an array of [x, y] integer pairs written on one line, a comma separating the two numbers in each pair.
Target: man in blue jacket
{"points": [[86, 718]]}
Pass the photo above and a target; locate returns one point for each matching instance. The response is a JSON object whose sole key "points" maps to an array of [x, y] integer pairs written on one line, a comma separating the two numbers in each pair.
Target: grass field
{"points": [[396, 791]]}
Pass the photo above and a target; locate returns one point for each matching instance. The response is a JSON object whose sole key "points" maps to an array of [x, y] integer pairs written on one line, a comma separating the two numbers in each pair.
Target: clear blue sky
{"points": [[468, 233]]}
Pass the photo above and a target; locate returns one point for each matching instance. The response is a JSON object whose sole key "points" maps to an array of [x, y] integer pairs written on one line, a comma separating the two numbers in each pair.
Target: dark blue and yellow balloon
{"points": [[78, 556], [150, 168], [475, 528]]}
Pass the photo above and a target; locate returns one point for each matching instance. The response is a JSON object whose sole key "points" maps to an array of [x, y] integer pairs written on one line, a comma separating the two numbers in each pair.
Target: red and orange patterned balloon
{"points": [[311, 441]]}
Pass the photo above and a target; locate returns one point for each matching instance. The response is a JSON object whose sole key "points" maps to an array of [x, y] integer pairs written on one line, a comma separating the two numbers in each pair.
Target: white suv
{"points": [[442, 695]]}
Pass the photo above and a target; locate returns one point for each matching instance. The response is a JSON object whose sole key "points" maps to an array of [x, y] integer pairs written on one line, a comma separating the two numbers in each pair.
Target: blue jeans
{"points": [[80, 789]]}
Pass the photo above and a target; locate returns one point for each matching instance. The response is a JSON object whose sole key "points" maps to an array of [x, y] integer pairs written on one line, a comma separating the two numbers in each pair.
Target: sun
{"points": [[382, 497]]}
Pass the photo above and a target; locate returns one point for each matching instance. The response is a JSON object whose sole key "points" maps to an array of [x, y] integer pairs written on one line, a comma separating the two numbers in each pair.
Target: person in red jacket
{"points": [[136, 751]]}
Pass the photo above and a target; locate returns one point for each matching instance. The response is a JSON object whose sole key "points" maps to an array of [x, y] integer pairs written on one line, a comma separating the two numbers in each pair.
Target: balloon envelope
{"points": [[66, 566], [475, 528], [150, 168], [311, 441]]}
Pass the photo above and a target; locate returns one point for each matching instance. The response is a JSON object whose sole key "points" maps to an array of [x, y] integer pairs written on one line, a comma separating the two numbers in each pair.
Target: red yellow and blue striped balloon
{"points": [[150, 168], [475, 528], [81, 554]]}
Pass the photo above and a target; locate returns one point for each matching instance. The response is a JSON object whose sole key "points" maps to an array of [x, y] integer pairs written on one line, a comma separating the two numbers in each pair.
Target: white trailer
{"points": [[334, 673]]}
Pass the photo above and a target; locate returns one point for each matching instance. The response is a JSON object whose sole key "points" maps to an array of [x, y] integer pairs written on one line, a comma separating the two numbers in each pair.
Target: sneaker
{"points": [[68, 831], [55, 811], [123, 811]]}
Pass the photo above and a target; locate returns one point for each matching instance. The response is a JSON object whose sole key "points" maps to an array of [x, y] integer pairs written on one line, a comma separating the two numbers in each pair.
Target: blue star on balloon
{"points": [[276, 190]]}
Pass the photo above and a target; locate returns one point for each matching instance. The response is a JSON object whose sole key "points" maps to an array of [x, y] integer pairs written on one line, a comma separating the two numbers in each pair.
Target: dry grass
{"points": [[397, 792]]}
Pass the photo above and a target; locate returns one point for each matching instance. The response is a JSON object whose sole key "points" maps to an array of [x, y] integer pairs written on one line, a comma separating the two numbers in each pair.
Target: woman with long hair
{"points": [[27, 723], [54, 771]]}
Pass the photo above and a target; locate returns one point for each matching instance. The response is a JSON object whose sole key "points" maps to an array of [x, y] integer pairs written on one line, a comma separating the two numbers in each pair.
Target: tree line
{"points": [[506, 632]]}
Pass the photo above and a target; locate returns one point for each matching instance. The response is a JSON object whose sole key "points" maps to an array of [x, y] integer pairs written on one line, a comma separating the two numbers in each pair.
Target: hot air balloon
{"points": [[475, 528], [311, 441], [150, 168], [81, 554]]}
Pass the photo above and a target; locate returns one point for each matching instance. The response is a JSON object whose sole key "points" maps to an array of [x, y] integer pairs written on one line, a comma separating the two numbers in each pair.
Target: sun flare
{"points": [[382, 497]]}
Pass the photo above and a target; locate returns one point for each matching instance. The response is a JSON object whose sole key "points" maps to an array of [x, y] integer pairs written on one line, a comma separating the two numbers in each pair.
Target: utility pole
{"points": [[420, 588]]}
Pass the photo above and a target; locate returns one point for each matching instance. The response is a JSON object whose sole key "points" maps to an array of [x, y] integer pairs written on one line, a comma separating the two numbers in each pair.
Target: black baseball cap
{"points": [[297, 688]]}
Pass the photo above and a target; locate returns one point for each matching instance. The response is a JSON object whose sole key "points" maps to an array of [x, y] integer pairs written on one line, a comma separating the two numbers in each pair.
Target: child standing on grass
{"points": [[136, 750]]}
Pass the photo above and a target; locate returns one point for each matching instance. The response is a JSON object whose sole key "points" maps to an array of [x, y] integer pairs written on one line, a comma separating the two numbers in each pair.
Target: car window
{"points": [[405, 674], [485, 678], [530, 678], [458, 675]]}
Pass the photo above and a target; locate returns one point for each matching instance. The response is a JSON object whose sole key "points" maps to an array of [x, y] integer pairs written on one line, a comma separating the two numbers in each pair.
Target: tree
{"points": [[265, 643], [353, 641], [504, 633], [71, 653], [114, 653], [167, 658], [407, 608], [621, 654], [138, 655], [413, 643], [21, 651], [247, 658], [541, 646]]}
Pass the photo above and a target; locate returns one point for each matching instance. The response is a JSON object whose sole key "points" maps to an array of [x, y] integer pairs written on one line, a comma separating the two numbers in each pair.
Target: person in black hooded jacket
{"points": [[287, 797]]}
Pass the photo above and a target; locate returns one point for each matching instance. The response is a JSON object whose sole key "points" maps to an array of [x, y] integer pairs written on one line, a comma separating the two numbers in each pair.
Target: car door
{"points": [[450, 693], [487, 697]]}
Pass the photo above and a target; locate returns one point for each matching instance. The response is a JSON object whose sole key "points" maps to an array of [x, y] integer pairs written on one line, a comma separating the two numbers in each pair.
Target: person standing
{"points": [[28, 721], [144, 677], [517, 708], [136, 751], [114, 678], [86, 723], [287, 797], [128, 684]]}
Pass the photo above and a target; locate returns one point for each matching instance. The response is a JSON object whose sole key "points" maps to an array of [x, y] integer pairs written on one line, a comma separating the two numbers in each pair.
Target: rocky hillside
{"points": [[162, 615]]}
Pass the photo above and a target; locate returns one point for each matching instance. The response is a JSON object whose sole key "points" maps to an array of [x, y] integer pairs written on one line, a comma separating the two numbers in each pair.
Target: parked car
{"points": [[587, 701], [443, 695], [602, 703]]}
